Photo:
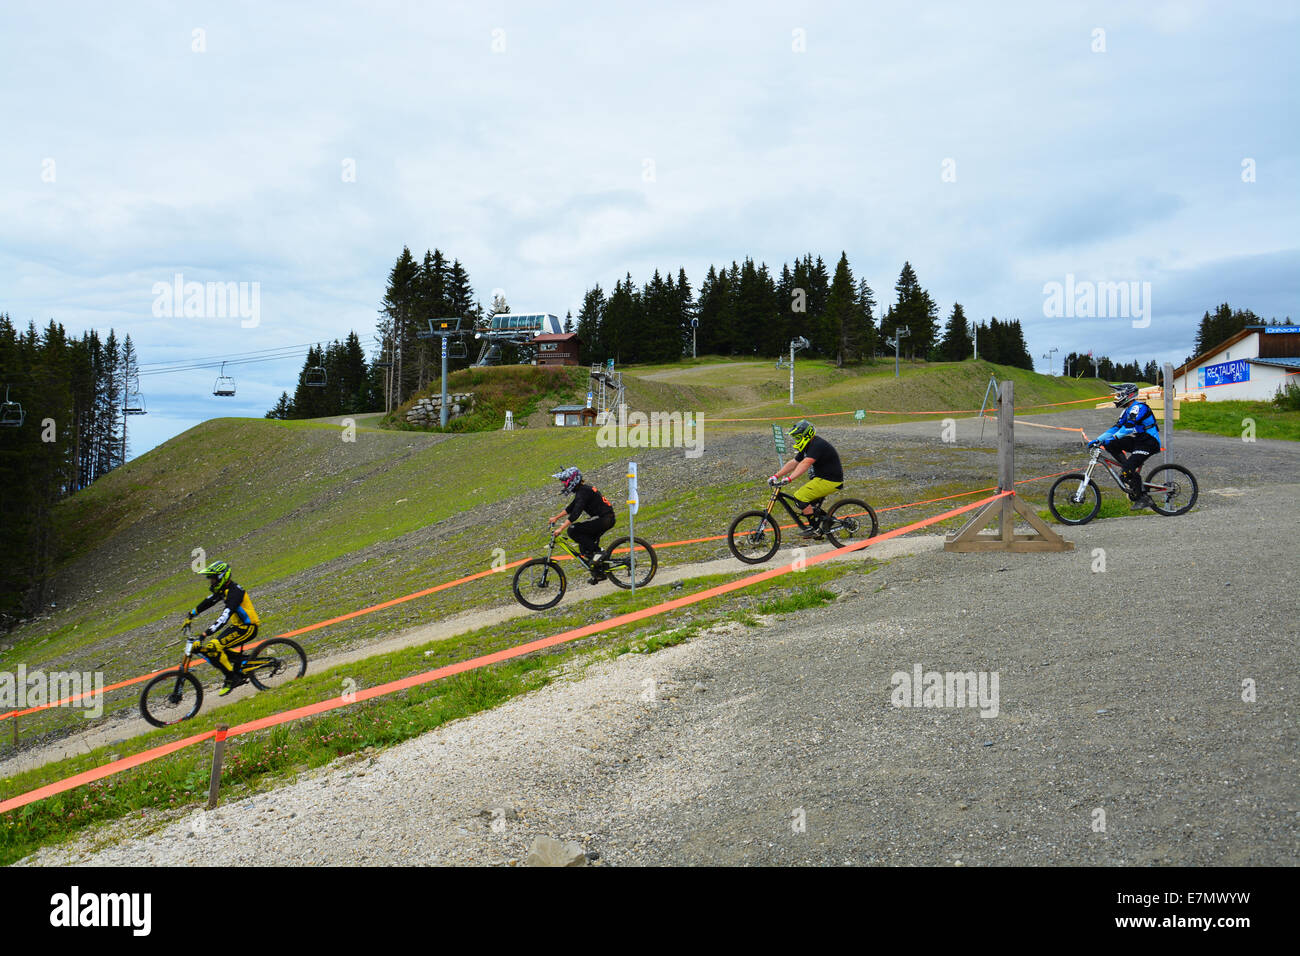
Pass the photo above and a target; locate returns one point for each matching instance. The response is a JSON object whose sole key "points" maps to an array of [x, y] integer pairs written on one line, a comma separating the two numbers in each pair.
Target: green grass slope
{"points": [[317, 525]]}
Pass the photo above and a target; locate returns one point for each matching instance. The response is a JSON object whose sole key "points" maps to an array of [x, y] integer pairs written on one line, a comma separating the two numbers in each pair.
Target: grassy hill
{"points": [[524, 390], [316, 526]]}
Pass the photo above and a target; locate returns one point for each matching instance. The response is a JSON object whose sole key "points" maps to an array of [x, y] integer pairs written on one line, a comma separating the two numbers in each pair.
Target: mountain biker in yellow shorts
{"points": [[818, 456], [238, 618]]}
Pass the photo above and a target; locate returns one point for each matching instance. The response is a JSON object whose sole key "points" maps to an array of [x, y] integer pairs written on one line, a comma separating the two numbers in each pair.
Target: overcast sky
{"points": [[996, 147]]}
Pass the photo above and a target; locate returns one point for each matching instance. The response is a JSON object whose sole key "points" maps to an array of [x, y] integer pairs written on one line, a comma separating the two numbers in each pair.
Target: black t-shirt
{"points": [[587, 498], [826, 460]]}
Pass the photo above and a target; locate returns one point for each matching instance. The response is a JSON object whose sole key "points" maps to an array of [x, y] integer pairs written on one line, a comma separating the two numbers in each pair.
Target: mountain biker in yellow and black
{"points": [[818, 456], [586, 499], [236, 625]]}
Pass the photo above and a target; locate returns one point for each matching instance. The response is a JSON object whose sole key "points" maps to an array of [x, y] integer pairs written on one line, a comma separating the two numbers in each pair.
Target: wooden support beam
{"points": [[1005, 510]]}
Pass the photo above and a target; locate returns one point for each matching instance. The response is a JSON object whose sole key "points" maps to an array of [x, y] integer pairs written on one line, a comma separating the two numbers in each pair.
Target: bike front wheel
{"points": [[170, 698], [854, 521], [275, 662], [539, 584], [619, 566], [1172, 490], [753, 537], [1073, 502]]}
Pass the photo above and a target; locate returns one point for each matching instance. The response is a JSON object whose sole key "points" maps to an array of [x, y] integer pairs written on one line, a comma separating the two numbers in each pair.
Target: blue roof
{"points": [[1280, 362]]}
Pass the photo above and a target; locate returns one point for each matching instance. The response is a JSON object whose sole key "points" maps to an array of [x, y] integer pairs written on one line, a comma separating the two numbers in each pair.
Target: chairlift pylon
{"points": [[224, 385], [11, 412]]}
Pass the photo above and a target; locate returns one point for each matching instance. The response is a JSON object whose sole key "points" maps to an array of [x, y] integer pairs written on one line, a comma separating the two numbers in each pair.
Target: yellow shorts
{"points": [[817, 488]]}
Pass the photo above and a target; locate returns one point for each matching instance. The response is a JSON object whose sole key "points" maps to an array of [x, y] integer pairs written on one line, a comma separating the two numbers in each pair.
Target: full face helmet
{"points": [[569, 479], [802, 433], [1124, 395], [218, 575]]}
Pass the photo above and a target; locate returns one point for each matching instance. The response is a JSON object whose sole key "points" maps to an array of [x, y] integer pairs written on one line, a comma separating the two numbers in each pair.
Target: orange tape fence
{"points": [[465, 580], [309, 710]]}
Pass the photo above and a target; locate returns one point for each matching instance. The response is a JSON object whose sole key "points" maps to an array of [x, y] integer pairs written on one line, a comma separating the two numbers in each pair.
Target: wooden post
{"points": [[214, 782], [1004, 510], [1006, 437], [1168, 433]]}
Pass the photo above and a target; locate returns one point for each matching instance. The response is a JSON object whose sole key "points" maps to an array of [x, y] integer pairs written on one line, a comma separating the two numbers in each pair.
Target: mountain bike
{"points": [[754, 536], [1076, 499], [174, 696], [540, 582]]}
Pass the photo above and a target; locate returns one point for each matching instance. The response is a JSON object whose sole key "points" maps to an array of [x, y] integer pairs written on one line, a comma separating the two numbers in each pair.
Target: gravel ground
{"points": [[1119, 690]]}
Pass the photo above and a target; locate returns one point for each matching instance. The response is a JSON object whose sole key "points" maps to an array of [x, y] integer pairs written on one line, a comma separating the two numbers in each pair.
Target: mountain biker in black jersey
{"points": [[586, 499], [238, 618], [818, 456], [1131, 441]]}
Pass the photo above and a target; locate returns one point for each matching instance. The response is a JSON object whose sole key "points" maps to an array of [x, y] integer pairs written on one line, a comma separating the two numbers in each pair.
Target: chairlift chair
{"points": [[135, 403], [11, 412], [456, 349], [224, 386], [315, 377]]}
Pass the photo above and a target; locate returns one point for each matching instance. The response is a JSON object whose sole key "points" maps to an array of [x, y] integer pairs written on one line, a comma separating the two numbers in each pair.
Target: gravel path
{"points": [[1120, 691], [121, 727]]}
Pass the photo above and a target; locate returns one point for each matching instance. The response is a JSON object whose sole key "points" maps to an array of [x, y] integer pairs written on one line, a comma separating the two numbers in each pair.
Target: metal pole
{"points": [[1169, 410], [792, 371], [442, 412], [218, 752], [631, 521], [693, 355], [1006, 438], [897, 342]]}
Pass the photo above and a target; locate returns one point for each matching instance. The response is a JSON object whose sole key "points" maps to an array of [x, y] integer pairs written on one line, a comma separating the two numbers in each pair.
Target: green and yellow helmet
{"points": [[802, 433], [218, 574]]}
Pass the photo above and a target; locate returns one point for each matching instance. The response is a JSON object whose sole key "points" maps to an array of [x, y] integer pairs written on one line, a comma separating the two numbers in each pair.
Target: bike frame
{"points": [[571, 548], [796, 513], [1110, 464], [188, 656]]}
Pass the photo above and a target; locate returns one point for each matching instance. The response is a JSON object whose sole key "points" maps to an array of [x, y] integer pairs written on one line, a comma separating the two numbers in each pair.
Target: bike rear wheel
{"points": [[1069, 504], [170, 698], [856, 522], [618, 568], [539, 584], [288, 662], [1172, 490], [753, 537]]}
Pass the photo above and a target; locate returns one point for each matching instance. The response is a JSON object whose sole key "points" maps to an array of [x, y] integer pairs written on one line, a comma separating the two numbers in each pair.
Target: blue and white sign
{"points": [[1274, 329], [1225, 373], [633, 503]]}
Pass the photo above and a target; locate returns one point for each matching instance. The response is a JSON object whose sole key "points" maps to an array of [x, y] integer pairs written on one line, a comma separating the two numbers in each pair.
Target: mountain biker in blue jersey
{"points": [[1131, 441]]}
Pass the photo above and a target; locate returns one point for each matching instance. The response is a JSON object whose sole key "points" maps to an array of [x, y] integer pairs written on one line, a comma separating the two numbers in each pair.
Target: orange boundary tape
{"points": [[877, 411], [475, 663], [475, 576]]}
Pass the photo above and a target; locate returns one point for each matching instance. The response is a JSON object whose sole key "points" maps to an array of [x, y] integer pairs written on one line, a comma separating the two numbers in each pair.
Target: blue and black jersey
{"points": [[1137, 419]]}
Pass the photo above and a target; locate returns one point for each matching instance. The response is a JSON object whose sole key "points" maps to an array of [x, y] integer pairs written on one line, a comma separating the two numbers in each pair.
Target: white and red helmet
{"points": [[570, 478], [1124, 395]]}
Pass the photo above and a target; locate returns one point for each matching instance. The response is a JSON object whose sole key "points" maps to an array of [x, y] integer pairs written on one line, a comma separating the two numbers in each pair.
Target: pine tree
{"points": [[866, 317], [956, 344], [841, 314], [590, 326]]}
